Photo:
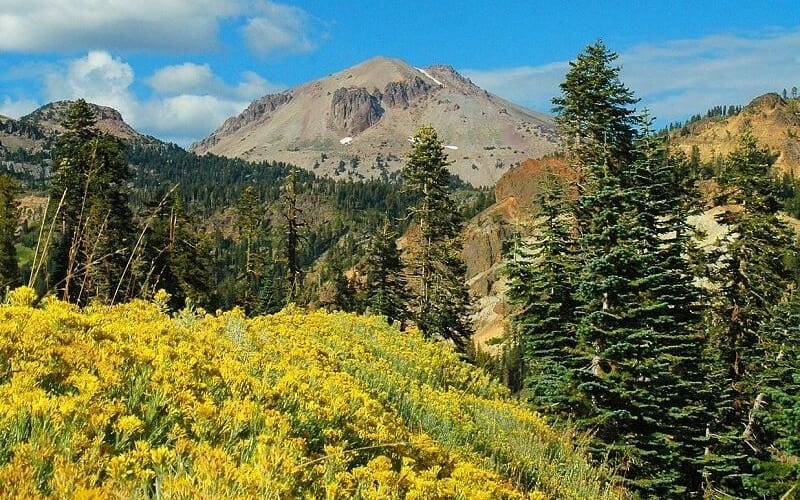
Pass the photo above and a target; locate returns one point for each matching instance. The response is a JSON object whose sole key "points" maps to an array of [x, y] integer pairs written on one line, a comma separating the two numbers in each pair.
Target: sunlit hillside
{"points": [[130, 401]]}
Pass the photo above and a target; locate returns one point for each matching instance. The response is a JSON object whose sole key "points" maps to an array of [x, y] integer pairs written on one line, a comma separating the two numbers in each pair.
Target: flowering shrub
{"points": [[126, 401]]}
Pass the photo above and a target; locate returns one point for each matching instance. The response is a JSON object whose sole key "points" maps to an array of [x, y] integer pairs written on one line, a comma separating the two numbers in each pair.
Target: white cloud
{"points": [[98, 78], [269, 29], [16, 108], [189, 102], [674, 79], [184, 119], [66, 25], [279, 30], [181, 78], [199, 79]]}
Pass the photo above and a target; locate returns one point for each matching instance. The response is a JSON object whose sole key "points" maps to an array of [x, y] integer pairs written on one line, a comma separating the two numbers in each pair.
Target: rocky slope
{"points": [[774, 121], [358, 122], [488, 234]]}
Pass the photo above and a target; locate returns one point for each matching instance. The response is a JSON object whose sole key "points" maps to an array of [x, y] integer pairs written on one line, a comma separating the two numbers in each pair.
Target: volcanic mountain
{"points": [[358, 122]]}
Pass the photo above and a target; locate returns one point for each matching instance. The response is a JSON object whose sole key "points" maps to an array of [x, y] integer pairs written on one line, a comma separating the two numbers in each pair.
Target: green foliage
{"points": [[385, 291], [751, 278], [93, 221], [610, 321], [594, 110], [9, 220], [437, 269], [540, 281]]}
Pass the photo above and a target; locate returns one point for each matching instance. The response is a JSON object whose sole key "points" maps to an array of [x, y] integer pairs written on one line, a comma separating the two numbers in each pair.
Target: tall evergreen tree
{"points": [[291, 213], [751, 277], [9, 221], [775, 419], [385, 290], [438, 272], [93, 223], [635, 370], [595, 111], [250, 215], [540, 274]]}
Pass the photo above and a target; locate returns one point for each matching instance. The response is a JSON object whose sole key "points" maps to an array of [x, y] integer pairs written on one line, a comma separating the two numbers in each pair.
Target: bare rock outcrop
{"points": [[399, 94], [354, 110], [20, 129]]}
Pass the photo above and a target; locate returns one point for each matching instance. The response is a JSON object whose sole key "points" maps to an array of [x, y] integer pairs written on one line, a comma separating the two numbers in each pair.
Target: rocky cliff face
{"points": [[400, 94], [23, 130], [354, 110]]}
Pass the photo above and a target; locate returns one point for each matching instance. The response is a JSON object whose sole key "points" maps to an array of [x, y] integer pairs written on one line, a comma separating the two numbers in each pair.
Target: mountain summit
{"points": [[357, 123]]}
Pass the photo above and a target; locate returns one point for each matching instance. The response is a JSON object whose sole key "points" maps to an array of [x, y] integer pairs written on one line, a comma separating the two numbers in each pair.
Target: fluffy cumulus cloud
{"points": [[187, 103], [674, 79], [98, 78], [199, 79], [278, 30], [269, 29], [66, 25]]}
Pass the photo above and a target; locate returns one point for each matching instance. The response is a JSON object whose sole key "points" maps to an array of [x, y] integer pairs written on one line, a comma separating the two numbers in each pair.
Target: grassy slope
{"points": [[129, 401]]}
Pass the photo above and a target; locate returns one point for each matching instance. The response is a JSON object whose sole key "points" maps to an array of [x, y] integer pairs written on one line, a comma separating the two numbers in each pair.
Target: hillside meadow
{"points": [[132, 401]]}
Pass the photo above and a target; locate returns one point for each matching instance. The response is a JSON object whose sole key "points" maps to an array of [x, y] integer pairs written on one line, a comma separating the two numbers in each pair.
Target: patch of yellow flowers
{"points": [[128, 401]]}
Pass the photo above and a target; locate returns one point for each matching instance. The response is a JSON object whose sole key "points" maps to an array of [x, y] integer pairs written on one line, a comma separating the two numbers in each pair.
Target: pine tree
{"points": [[9, 221], [641, 382], [751, 278], [594, 112], [291, 213], [175, 257], [385, 290], [776, 418], [437, 272], [250, 216], [93, 223], [540, 277]]}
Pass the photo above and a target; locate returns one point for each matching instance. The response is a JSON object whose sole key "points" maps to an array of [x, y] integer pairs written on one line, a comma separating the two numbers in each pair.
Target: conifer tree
{"points": [[9, 221], [751, 277], [175, 257], [385, 290], [594, 112], [437, 272], [540, 275], [250, 216], [291, 213], [775, 419], [637, 321], [94, 223]]}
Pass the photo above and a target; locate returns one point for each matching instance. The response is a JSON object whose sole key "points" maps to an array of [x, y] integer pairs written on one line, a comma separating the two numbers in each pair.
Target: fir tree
{"points": [[94, 223], [638, 332], [250, 215], [9, 221], [438, 272], [751, 278], [594, 112], [385, 290], [291, 213], [540, 277]]}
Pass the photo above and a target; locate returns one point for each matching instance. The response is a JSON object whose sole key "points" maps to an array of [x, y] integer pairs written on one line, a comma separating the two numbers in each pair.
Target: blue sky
{"points": [[177, 68]]}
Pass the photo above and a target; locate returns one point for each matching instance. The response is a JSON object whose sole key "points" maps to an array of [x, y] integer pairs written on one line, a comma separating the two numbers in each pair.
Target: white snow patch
{"points": [[451, 147], [429, 76], [345, 140]]}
